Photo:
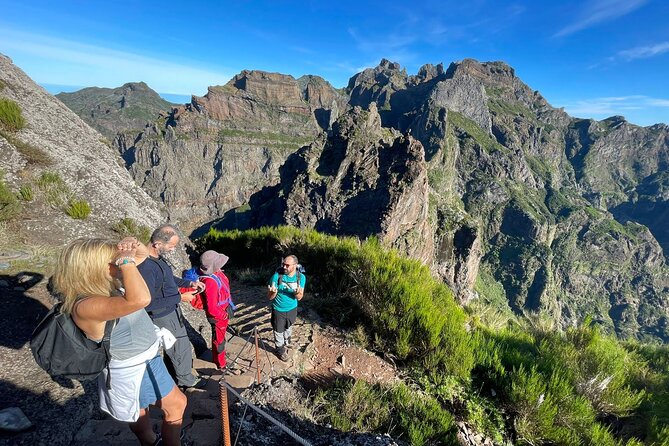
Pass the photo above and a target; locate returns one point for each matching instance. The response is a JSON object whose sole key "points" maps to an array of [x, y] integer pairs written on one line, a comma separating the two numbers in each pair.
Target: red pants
{"points": [[218, 328]]}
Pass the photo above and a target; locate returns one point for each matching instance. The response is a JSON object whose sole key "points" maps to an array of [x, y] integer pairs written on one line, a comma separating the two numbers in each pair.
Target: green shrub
{"points": [[78, 209], [11, 118], [128, 227], [654, 411], [397, 410], [56, 193], [9, 204], [26, 192], [559, 385]]}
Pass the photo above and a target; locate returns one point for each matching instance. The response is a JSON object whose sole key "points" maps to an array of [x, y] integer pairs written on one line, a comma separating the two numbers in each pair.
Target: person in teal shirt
{"points": [[285, 289]]}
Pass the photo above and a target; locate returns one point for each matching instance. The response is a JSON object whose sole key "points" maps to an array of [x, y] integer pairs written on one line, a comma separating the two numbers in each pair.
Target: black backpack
{"points": [[62, 349]]}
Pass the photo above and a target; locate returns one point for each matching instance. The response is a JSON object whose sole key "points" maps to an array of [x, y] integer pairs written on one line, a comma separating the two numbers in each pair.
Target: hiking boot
{"points": [[198, 385], [282, 353]]}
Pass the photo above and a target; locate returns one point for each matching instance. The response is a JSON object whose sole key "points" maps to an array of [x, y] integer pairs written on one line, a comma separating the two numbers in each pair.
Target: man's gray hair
{"points": [[291, 256], [164, 233]]}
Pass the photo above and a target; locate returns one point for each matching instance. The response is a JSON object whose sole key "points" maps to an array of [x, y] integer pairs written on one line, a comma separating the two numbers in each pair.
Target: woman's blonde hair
{"points": [[83, 270]]}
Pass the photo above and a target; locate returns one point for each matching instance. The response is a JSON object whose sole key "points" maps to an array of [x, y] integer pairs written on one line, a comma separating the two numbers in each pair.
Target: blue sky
{"points": [[595, 58]]}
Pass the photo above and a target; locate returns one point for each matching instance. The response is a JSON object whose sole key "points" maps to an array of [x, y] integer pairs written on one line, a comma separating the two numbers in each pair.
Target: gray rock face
{"points": [[91, 169], [210, 155], [363, 180]]}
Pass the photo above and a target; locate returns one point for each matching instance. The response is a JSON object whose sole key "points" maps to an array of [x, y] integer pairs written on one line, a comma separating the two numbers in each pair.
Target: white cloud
{"points": [[83, 64], [616, 105], [644, 52], [599, 11]]}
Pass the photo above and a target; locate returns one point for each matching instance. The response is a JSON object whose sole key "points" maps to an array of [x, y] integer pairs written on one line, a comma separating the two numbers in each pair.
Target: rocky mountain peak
{"points": [[110, 110], [428, 72], [269, 88]]}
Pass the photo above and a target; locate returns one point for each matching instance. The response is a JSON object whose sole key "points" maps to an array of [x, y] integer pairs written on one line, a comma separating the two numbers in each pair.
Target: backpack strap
{"points": [[106, 346], [220, 286], [106, 340]]}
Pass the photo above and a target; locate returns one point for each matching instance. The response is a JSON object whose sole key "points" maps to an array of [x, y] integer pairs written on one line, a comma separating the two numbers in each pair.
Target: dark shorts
{"points": [[156, 383], [283, 320]]}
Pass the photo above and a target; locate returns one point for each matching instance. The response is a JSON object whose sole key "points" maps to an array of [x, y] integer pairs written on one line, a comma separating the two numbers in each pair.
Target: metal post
{"points": [[225, 419], [257, 356]]}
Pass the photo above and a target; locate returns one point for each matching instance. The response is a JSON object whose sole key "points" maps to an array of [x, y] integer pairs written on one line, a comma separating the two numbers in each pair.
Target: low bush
{"points": [[10, 207], [26, 192], [78, 209], [397, 410], [128, 227], [559, 386], [56, 193], [11, 118]]}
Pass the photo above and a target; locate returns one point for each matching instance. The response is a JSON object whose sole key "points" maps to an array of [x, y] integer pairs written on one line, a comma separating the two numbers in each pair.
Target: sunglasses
{"points": [[287, 264]]}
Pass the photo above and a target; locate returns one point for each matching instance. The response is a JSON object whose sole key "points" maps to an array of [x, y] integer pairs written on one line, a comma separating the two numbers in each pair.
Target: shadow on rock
{"points": [[20, 312], [55, 414]]}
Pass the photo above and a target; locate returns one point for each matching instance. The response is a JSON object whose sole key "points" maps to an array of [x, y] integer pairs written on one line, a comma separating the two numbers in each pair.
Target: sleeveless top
{"points": [[132, 335]]}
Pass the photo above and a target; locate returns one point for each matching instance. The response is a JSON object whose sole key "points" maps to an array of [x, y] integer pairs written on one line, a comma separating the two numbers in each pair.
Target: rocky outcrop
{"points": [[211, 155], [363, 180], [57, 142], [110, 111]]}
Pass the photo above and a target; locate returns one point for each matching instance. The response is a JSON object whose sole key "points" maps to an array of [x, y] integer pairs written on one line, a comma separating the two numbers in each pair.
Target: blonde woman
{"points": [[99, 282]]}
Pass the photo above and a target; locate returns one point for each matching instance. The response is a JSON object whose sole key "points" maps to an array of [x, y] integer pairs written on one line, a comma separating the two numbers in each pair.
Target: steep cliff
{"points": [[529, 194], [56, 161], [363, 180], [212, 154]]}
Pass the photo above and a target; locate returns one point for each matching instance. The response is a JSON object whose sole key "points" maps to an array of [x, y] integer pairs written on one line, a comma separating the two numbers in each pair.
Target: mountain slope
{"points": [[109, 111], [59, 158]]}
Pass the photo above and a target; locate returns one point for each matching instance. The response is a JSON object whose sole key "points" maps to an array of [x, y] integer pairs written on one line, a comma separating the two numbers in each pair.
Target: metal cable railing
{"points": [[224, 387]]}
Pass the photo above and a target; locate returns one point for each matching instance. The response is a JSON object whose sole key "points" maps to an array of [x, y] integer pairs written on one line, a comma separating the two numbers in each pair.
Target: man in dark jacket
{"points": [[164, 308]]}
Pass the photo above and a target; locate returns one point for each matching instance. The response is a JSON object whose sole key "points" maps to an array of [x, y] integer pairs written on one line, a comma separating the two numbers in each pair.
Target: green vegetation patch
{"points": [[11, 118], [78, 209], [26, 193], [397, 410], [10, 207], [521, 382], [559, 387], [58, 195], [128, 227], [487, 142]]}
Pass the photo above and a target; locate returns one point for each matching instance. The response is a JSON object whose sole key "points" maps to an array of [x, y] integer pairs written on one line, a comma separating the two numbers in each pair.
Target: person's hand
{"points": [[272, 290], [188, 296], [198, 285], [127, 248]]}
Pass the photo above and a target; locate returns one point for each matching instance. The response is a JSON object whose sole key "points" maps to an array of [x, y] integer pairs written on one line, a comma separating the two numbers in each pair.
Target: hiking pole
{"points": [[225, 419], [255, 330]]}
